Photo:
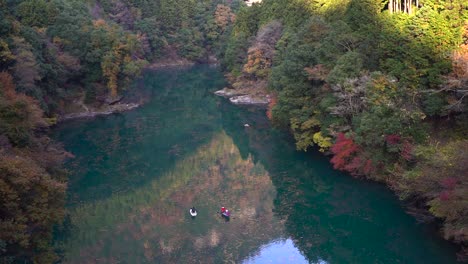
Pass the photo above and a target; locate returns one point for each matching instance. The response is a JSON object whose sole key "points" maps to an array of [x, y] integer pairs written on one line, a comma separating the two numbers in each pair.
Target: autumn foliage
{"points": [[348, 156], [344, 151], [271, 104], [32, 186], [223, 16]]}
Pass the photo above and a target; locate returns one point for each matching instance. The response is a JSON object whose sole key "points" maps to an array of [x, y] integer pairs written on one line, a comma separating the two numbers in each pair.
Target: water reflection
{"points": [[282, 251], [137, 174], [152, 224]]}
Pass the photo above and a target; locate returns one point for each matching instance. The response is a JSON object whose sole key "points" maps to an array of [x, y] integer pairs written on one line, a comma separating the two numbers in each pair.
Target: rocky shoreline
{"points": [[244, 97], [116, 106]]}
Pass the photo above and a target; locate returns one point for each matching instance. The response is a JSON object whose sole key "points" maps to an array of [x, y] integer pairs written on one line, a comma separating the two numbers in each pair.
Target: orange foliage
{"points": [[7, 86], [460, 59], [460, 62], [256, 61], [99, 23], [223, 16], [271, 104]]}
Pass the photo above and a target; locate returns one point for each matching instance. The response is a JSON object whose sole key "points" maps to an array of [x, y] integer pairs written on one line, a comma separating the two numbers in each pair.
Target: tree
{"points": [[37, 12], [26, 68]]}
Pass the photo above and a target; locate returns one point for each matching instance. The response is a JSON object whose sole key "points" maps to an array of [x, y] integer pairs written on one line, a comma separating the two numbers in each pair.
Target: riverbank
{"points": [[429, 178], [76, 108], [245, 91]]}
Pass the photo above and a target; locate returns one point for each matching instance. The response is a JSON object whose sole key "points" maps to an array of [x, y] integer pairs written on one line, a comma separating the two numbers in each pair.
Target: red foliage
{"points": [[348, 157], [392, 139], [344, 149]]}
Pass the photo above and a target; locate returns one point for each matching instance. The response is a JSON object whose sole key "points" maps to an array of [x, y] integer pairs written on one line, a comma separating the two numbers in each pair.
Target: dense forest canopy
{"points": [[380, 85], [55, 54]]}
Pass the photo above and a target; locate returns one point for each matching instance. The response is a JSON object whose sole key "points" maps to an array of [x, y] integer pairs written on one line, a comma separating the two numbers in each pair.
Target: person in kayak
{"points": [[193, 211]]}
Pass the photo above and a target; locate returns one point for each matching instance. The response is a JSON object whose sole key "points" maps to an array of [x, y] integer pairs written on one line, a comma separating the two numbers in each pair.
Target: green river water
{"points": [[136, 174]]}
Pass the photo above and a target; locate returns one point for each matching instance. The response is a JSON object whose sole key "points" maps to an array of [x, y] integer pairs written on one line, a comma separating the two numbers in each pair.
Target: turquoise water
{"points": [[136, 174]]}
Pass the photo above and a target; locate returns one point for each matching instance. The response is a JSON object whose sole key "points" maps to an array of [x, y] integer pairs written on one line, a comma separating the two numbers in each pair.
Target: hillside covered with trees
{"points": [[57, 56], [381, 86]]}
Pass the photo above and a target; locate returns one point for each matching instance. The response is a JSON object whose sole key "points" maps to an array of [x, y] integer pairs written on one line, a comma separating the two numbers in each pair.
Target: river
{"points": [[136, 174]]}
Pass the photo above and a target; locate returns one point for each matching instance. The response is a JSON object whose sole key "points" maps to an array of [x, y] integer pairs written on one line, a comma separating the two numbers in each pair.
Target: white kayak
{"points": [[192, 213]]}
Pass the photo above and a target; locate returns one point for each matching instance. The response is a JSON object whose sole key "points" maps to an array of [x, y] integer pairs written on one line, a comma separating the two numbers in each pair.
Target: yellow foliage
{"points": [[304, 133], [5, 54], [323, 142]]}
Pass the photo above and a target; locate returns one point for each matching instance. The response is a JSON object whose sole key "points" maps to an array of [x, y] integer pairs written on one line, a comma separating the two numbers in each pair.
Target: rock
{"points": [[249, 99], [242, 97]]}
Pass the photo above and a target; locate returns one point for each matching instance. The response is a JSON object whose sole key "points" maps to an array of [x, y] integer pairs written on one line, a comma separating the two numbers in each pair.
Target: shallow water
{"points": [[136, 174]]}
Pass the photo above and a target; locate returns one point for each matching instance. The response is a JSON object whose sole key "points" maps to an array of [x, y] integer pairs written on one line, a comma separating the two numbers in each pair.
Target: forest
{"points": [[55, 54], [380, 86]]}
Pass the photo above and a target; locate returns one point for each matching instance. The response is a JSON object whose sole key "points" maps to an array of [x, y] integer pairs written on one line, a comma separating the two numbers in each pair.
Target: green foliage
{"points": [[235, 53], [247, 21], [37, 12], [434, 104], [347, 66], [17, 120], [372, 126]]}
